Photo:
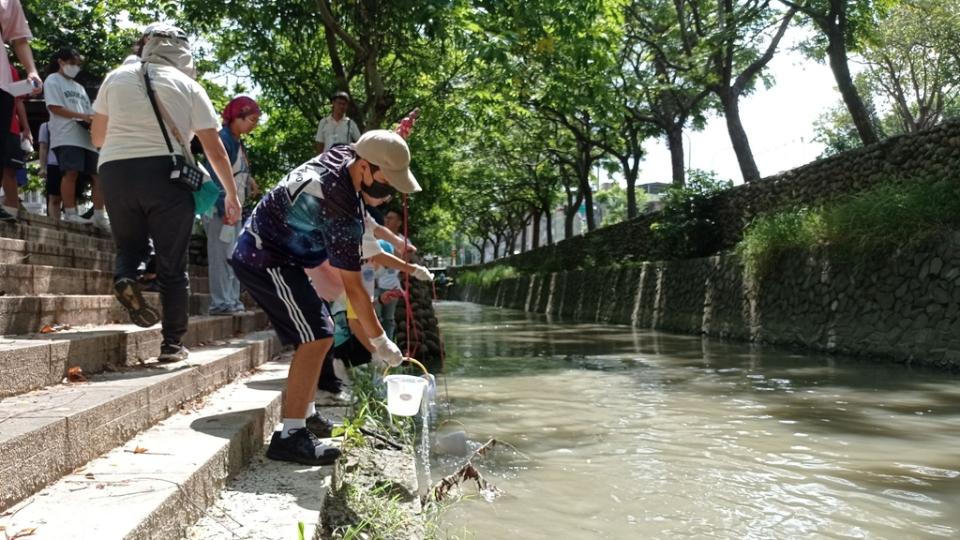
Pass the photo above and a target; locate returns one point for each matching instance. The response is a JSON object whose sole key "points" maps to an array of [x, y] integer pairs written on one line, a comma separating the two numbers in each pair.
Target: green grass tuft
{"points": [[879, 220], [487, 276]]}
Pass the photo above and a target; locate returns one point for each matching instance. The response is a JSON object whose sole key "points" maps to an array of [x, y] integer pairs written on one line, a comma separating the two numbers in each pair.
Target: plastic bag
{"points": [[206, 197]]}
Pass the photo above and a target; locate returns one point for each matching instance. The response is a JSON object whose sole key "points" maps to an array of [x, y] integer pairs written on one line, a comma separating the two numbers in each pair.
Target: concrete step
{"points": [[31, 279], [184, 462], [84, 239], [47, 434], [28, 314], [267, 500], [15, 251], [29, 362], [36, 221]]}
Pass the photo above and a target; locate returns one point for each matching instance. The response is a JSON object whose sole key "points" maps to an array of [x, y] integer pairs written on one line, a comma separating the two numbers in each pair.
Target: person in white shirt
{"points": [[15, 31], [70, 117], [138, 185], [337, 128]]}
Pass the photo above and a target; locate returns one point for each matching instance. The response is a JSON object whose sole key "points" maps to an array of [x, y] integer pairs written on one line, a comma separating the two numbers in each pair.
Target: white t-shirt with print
{"points": [[132, 127], [69, 94], [331, 132]]}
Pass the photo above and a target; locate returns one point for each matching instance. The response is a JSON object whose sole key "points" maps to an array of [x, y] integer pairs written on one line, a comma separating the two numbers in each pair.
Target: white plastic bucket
{"points": [[404, 393]]}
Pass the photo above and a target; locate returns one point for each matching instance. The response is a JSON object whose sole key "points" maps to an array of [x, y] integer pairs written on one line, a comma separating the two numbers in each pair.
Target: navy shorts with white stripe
{"points": [[289, 300]]}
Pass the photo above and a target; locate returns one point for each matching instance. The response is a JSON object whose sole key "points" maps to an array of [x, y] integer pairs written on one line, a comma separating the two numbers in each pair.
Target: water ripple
{"points": [[647, 435]]}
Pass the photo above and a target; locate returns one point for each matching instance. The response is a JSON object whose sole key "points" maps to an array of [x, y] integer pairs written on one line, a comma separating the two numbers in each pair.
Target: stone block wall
{"points": [[903, 306], [930, 155]]}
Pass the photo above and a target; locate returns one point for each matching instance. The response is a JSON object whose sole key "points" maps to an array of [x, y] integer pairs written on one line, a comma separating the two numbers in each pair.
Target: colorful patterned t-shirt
{"points": [[314, 214]]}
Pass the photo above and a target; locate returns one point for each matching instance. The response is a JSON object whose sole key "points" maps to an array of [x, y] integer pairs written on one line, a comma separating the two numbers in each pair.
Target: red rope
{"points": [[407, 296]]}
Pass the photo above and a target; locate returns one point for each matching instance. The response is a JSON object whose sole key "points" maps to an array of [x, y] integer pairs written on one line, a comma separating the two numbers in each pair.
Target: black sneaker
{"points": [[301, 447], [130, 295], [172, 352], [320, 426], [5, 216]]}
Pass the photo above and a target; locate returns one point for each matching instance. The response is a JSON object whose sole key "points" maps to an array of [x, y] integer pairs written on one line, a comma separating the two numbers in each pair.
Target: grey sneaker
{"points": [[173, 352], [74, 218], [101, 223]]}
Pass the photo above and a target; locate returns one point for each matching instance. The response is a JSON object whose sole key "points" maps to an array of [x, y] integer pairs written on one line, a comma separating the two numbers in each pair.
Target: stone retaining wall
{"points": [[904, 307], [929, 155]]}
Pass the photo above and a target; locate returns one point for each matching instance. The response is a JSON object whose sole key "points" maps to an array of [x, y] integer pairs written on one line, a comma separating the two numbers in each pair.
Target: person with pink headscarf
{"points": [[240, 117]]}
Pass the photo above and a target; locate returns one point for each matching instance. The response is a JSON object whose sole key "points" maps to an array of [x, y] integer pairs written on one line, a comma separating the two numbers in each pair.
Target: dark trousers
{"points": [[144, 204], [6, 117]]}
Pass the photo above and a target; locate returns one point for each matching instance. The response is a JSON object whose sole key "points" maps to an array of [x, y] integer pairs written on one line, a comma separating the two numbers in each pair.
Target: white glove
{"points": [[421, 273], [386, 350]]}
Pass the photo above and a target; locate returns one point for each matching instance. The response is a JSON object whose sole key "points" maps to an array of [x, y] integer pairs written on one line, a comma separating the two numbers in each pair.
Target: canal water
{"points": [[624, 433]]}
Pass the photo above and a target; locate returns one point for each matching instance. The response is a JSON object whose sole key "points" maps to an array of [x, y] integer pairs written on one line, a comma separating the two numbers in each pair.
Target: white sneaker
{"points": [[76, 218], [101, 223]]}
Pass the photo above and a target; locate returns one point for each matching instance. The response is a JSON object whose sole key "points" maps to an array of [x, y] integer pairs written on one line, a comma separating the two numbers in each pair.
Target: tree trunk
{"points": [[549, 213], [496, 247], [837, 52], [588, 203], [536, 230], [738, 136], [568, 223], [585, 190], [483, 251], [675, 144], [630, 175], [523, 238]]}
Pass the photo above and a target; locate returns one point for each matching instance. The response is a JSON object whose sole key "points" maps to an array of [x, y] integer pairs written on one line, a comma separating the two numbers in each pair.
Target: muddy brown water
{"points": [[631, 433]]}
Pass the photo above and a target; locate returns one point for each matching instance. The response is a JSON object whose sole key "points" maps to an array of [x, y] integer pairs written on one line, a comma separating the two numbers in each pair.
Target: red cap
{"points": [[239, 107]]}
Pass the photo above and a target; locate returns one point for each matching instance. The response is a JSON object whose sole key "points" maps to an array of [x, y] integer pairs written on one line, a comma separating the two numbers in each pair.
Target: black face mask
{"points": [[377, 190]]}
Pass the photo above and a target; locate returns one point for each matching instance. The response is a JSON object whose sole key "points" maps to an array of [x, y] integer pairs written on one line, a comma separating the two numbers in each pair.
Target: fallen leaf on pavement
{"points": [[24, 532], [139, 450], [51, 328], [75, 374], [89, 476]]}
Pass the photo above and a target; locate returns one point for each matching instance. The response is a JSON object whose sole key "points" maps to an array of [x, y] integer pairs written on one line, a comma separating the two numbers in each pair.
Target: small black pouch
{"points": [[186, 174]]}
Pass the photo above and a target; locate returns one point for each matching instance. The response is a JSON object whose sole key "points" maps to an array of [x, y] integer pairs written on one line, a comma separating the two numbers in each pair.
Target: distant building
{"points": [[655, 188], [654, 191]]}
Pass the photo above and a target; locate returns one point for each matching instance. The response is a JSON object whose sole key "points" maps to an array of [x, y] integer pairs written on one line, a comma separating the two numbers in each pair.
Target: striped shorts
{"points": [[289, 300]]}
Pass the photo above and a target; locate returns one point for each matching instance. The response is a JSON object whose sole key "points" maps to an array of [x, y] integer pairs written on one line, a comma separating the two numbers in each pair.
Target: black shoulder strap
{"points": [[156, 109], [348, 128]]}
